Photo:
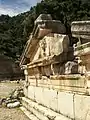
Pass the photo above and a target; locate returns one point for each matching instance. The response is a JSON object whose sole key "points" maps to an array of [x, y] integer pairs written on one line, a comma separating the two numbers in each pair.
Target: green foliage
{"points": [[14, 31], [12, 39]]}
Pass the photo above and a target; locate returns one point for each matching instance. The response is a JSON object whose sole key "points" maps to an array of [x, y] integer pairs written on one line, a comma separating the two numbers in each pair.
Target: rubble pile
{"points": [[13, 100]]}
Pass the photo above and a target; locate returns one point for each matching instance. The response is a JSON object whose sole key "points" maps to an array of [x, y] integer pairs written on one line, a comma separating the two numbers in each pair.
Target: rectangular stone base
{"points": [[71, 105], [41, 112], [71, 83]]}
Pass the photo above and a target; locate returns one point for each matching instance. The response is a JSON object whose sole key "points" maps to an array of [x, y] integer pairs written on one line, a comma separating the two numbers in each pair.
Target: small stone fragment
{"points": [[13, 105]]}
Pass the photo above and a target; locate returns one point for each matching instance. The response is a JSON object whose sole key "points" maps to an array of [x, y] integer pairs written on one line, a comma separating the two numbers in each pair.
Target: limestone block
{"points": [[53, 100], [13, 105], [81, 29], [41, 112], [65, 104], [25, 91], [43, 17], [50, 98], [28, 114], [44, 25], [82, 107], [39, 95], [57, 44], [46, 97], [31, 92]]}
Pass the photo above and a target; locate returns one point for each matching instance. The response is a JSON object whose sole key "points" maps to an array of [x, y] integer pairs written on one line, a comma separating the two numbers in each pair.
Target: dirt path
{"points": [[10, 114]]}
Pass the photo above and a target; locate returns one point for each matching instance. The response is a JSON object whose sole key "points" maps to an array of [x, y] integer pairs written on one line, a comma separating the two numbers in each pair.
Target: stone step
{"points": [[42, 113], [28, 114], [29, 105]]}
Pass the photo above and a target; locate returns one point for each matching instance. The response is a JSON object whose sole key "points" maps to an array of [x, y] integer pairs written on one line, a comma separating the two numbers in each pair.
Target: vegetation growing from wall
{"points": [[14, 31]]}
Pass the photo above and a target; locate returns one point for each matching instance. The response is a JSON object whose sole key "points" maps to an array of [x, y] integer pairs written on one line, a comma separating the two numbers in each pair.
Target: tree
{"points": [[15, 31]]}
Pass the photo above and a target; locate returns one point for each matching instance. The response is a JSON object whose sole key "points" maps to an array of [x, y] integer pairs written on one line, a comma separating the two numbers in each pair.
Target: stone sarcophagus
{"points": [[81, 30], [48, 48], [48, 55], [53, 74]]}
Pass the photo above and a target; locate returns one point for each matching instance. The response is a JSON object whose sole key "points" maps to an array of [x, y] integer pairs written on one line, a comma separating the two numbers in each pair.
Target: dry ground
{"points": [[10, 114]]}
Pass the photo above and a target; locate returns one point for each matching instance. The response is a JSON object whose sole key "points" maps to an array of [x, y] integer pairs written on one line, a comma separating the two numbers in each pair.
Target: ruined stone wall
{"points": [[55, 77], [69, 83]]}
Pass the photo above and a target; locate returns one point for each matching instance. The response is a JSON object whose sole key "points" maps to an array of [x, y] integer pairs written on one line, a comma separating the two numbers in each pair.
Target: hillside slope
{"points": [[14, 31]]}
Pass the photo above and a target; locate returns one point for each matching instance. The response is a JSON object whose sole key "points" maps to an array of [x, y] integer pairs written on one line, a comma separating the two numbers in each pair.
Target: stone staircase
{"points": [[36, 111], [29, 114]]}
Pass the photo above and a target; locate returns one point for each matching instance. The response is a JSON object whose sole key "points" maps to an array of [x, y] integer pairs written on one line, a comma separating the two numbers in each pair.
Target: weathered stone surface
{"points": [[25, 91], [81, 29], [33, 107], [43, 28], [82, 49], [39, 95], [82, 107], [65, 104], [44, 25], [42, 112], [29, 114], [50, 45], [13, 105], [31, 92], [17, 93], [50, 99], [55, 45], [46, 94], [48, 53], [46, 97], [71, 67], [43, 17]]}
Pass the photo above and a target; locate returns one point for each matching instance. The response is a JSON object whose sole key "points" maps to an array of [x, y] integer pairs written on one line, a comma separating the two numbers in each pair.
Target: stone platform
{"points": [[40, 112], [52, 105]]}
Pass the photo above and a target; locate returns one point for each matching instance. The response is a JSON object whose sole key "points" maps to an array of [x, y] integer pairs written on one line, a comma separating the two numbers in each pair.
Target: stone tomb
{"points": [[54, 76], [81, 30]]}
